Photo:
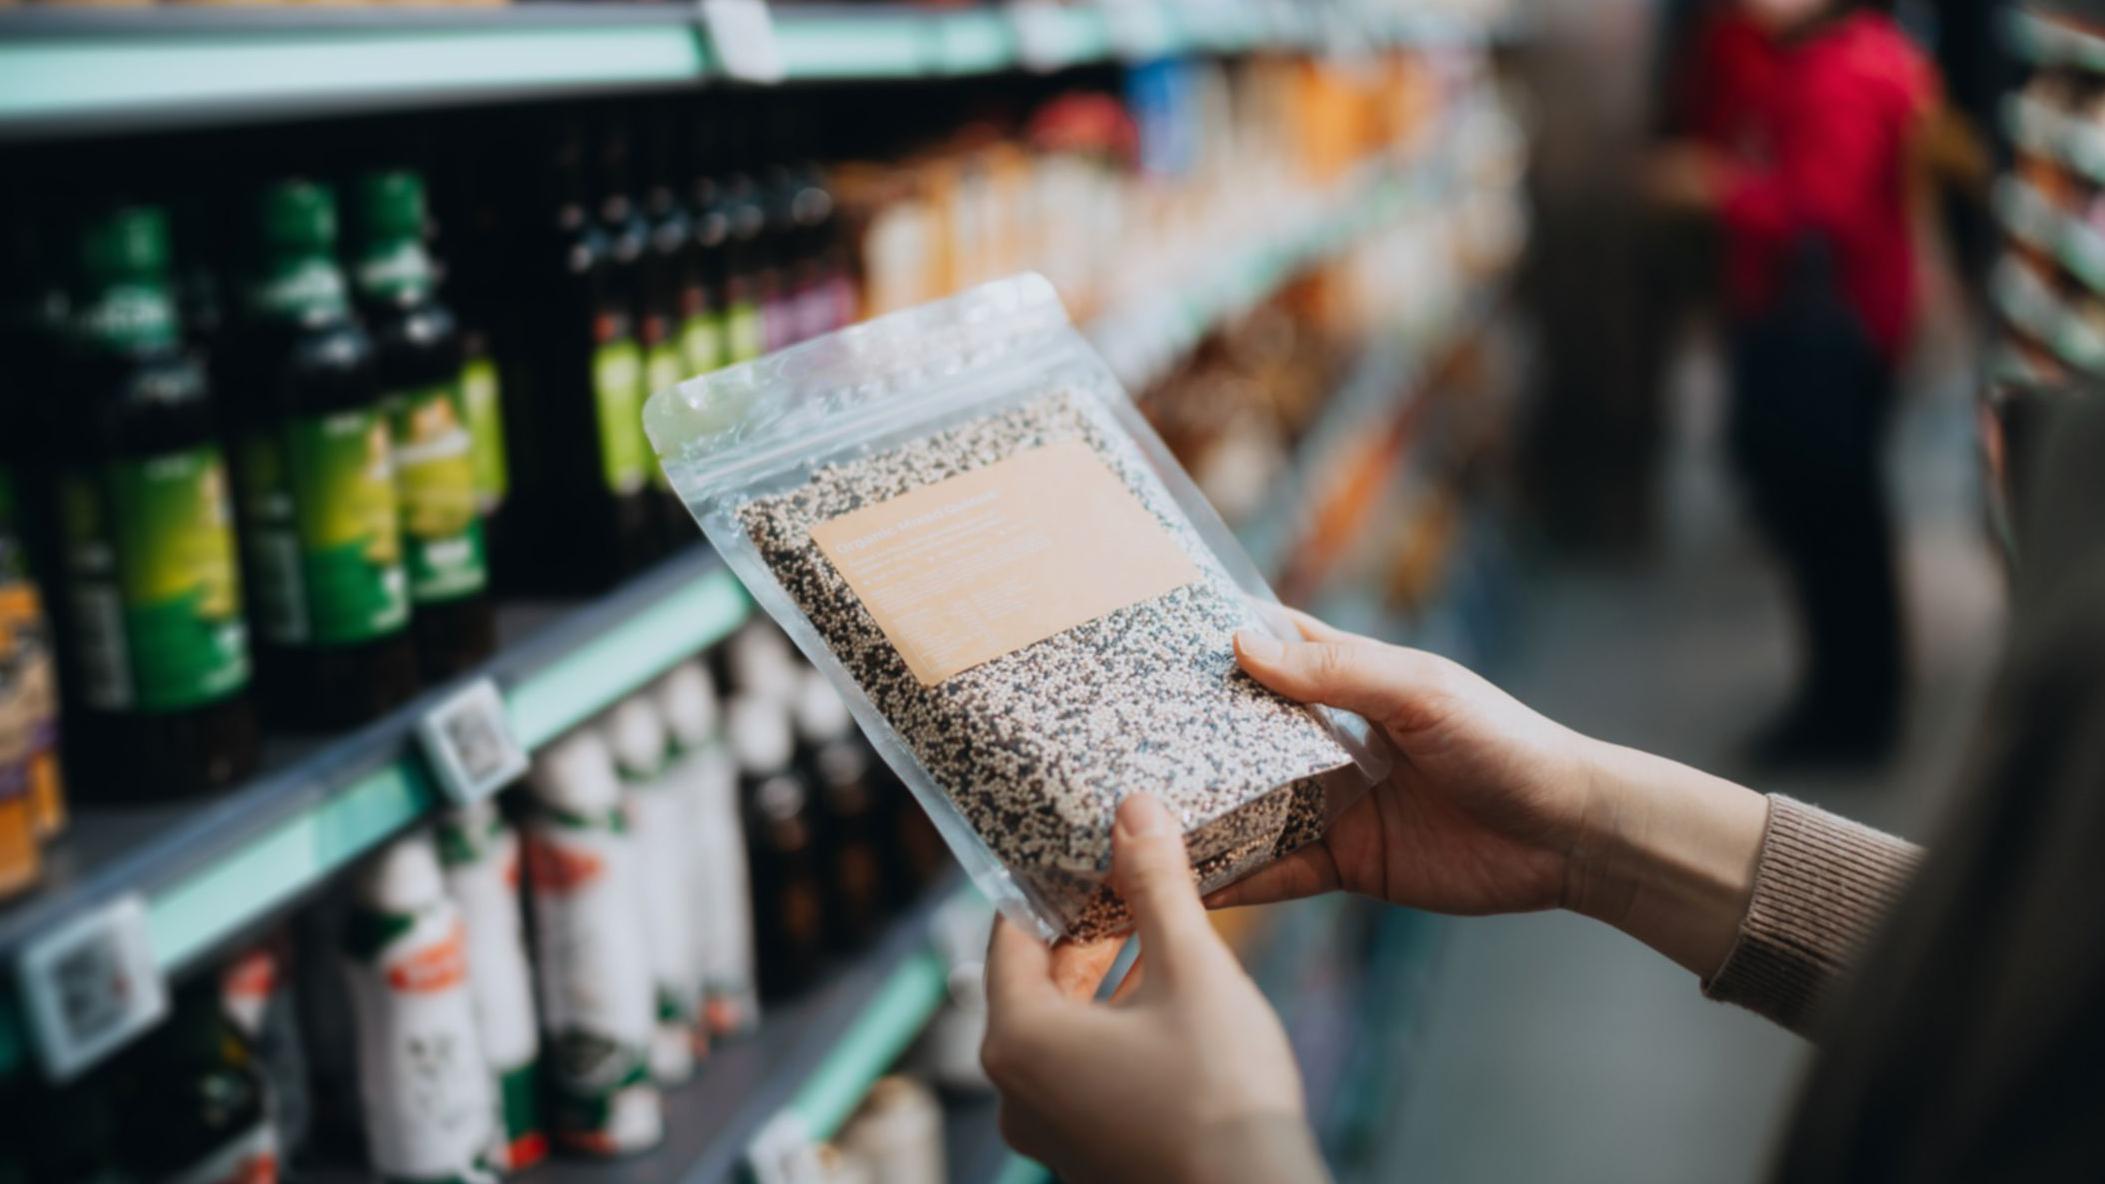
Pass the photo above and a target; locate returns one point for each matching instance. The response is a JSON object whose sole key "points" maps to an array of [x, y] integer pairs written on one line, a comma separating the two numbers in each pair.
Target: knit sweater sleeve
{"points": [[1822, 884]]}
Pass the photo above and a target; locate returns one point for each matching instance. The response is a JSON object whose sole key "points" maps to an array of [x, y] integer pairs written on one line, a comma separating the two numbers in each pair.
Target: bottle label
{"points": [[595, 983], [665, 366], [744, 337], [156, 590], [617, 389], [340, 468], [430, 1100], [481, 858], [270, 537], [702, 342], [434, 461], [481, 394]]}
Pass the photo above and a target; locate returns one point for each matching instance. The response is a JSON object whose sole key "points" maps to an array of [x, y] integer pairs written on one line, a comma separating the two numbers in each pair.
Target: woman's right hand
{"points": [[1492, 808], [1486, 810]]}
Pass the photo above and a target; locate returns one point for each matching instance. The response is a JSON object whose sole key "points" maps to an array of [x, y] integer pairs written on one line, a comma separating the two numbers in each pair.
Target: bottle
{"points": [[480, 854], [576, 370], [659, 821], [704, 268], [745, 262], [423, 1084], [706, 774], [851, 818], [420, 360], [663, 308], [28, 667], [320, 519], [256, 995], [159, 664], [759, 663], [193, 1099], [789, 892], [596, 995]]}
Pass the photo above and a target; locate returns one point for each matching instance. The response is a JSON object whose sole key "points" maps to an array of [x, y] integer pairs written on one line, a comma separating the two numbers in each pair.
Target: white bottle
{"points": [[423, 1083], [596, 998], [704, 772], [480, 854], [759, 662], [661, 824]]}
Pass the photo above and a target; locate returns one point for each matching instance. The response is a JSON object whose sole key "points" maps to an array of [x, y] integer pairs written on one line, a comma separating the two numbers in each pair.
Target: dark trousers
{"points": [[1811, 399]]}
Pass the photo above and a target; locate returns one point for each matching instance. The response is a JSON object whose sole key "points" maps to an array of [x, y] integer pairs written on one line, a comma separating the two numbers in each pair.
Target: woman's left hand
{"points": [[1186, 1077]]}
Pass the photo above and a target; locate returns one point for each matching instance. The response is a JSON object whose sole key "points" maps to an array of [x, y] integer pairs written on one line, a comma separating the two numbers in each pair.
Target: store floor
{"points": [[1554, 1049]]}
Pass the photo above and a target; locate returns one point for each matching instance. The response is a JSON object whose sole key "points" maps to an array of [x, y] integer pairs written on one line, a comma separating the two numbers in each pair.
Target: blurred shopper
{"points": [[1804, 114], [1955, 1006]]}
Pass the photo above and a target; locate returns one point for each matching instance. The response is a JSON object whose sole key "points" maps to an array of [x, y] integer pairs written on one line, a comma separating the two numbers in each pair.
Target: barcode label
{"points": [[91, 985], [469, 743]]}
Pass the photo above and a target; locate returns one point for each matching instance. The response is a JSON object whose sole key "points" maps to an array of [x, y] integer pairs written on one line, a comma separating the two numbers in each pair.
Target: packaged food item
{"points": [[480, 851], [658, 820], [590, 948], [964, 524], [21, 856], [704, 771], [28, 679], [423, 1084], [898, 1132]]}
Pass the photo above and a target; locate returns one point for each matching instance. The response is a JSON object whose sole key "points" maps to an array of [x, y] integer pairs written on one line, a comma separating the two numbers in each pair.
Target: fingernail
{"points": [[1263, 647], [1142, 815]]}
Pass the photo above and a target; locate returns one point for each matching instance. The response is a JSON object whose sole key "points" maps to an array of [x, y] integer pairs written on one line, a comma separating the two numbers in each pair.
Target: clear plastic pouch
{"points": [[935, 505]]}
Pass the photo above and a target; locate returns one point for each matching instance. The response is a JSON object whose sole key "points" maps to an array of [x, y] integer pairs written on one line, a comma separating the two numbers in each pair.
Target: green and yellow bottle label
{"points": [[702, 342], [617, 389], [434, 457], [664, 367], [482, 396], [744, 337], [156, 589], [322, 531]]}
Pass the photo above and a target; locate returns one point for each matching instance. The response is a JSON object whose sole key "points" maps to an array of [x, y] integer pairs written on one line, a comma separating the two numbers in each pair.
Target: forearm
{"points": [[1667, 854]]}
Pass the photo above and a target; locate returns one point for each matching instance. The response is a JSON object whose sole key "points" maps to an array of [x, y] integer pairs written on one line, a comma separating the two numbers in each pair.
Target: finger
{"points": [[1306, 871], [1019, 971], [1355, 674], [1151, 872], [1078, 969]]}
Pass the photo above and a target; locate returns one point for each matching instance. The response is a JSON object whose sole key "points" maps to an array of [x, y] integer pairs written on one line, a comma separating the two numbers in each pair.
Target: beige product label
{"points": [[966, 570]]}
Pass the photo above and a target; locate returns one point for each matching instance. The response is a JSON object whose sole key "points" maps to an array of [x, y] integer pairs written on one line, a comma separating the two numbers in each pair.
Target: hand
{"points": [[1492, 808], [1484, 811], [1184, 1076], [1685, 176]]}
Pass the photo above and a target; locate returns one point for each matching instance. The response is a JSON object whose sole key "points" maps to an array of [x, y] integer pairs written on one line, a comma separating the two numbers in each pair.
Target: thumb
{"points": [[1355, 673], [1150, 870]]}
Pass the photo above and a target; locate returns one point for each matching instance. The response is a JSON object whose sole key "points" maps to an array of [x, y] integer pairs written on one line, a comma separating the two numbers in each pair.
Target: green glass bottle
{"points": [[151, 593], [420, 361], [321, 525]]}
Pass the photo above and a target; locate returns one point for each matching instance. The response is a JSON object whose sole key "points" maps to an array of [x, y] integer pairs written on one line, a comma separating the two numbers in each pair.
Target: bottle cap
{"points": [[636, 733], [760, 663], [298, 217], [576, 775], [127, 243], [404, 877], [821, 713], [390, 205], [687, 698], [760, 735]]}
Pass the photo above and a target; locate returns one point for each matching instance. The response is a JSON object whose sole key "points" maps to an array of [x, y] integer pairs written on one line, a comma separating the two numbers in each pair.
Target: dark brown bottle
{"points": [[666, 298], [782, 851], [193, 1097], [321, 528], [851, 816], [420, 363], [157, 659]]}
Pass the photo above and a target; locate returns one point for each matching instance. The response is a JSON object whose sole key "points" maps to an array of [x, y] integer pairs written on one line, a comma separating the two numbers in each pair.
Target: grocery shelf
{"points": [[213, 870], [80, 70], [2049, 42]]}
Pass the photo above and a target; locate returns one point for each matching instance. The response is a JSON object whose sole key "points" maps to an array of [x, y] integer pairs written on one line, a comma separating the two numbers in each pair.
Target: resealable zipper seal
{"points": [[765, 426]]}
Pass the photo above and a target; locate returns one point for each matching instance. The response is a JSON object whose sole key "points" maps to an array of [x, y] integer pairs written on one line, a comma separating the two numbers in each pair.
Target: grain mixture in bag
{"points": [[1035, 747]]}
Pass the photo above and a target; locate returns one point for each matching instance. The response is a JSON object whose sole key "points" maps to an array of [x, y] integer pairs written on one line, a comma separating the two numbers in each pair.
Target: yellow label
{"points": [[981, 565]]}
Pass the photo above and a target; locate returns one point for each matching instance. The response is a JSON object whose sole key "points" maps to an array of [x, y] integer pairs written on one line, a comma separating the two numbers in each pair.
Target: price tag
{"points": [[1140, 29], [469, 743], [1041, 34], [742, 34], [90, 985], [783, 1152]]}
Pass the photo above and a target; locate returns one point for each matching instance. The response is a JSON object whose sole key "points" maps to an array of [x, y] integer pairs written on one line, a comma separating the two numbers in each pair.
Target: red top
{"points": [[1819, 131]]}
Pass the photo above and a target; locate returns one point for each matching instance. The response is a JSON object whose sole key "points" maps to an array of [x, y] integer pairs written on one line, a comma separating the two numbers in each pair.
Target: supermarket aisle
{"points": [[1555, 1049]]}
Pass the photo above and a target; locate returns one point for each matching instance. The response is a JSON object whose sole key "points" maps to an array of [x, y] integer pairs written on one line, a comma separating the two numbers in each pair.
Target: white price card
{"points": [[90, 985], [783, 1152], [742, 34], [469, 744]]}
